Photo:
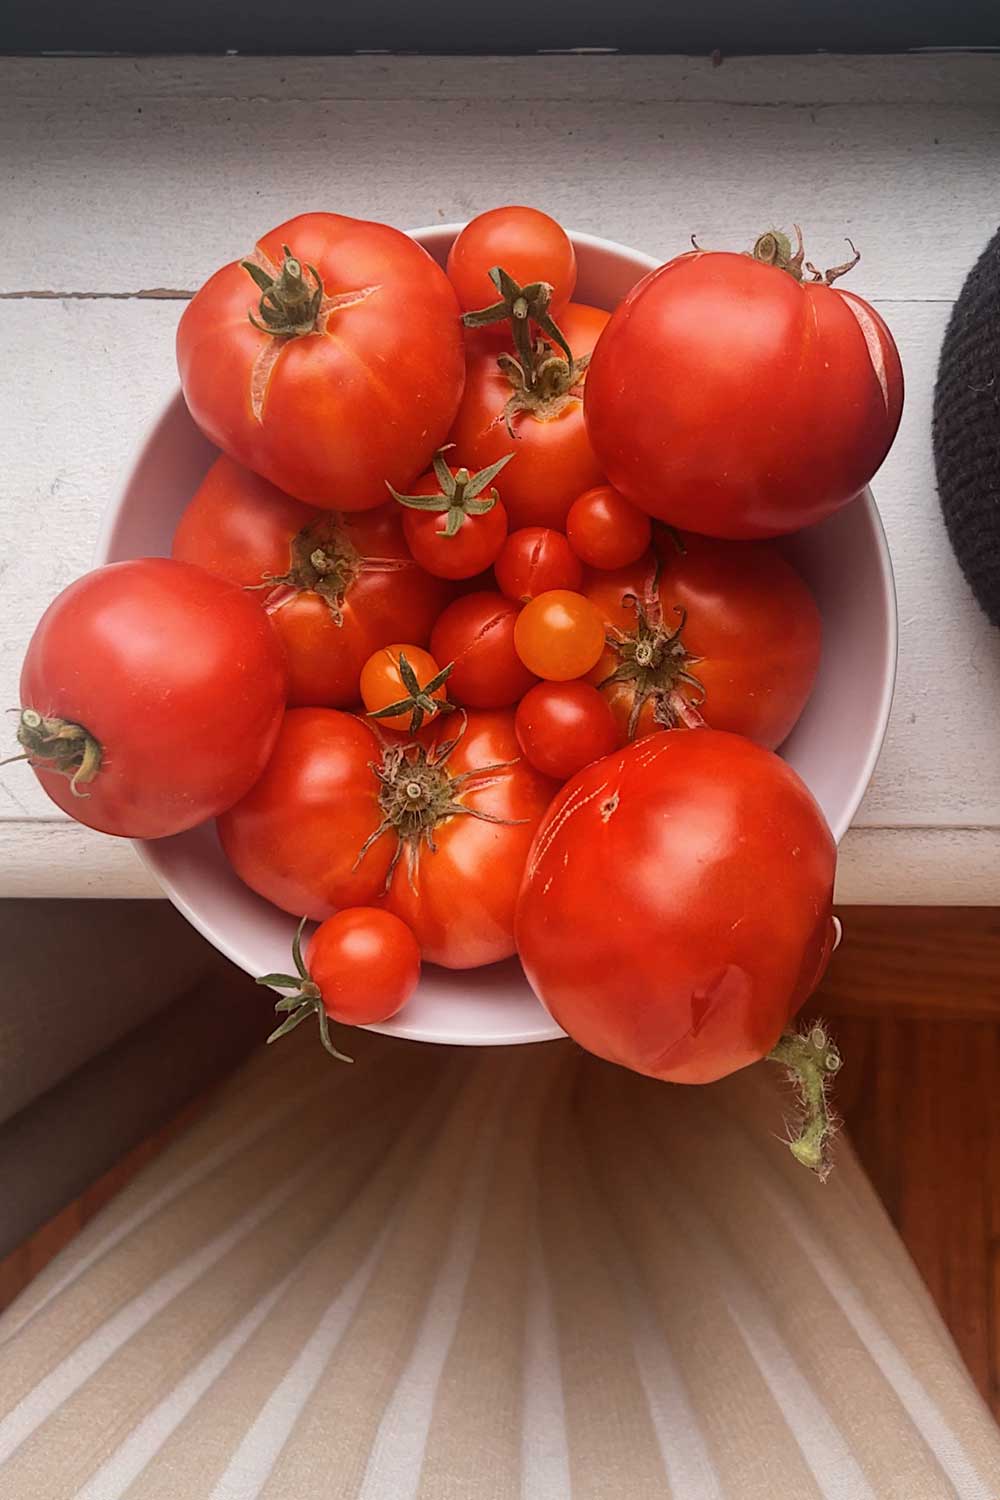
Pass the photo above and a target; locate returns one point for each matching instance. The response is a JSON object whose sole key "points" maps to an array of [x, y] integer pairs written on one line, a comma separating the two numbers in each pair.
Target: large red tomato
{"points": [[715, 924], [553, 461], [342, 586], [724, 632], [330, 361], [731, 396], [466, 810], [151, 697], [297, 837]]}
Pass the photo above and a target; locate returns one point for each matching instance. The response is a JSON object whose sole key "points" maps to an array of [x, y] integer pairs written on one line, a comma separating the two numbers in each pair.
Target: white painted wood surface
{"points": [[126, 182]]}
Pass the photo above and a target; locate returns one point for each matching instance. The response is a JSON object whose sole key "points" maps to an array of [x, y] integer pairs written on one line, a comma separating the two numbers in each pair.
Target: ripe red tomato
{"points": [[717, 924], [534, 560], [729, 396], [525, 242], [467, 832], [553, 461], [330, 361], [605, 530], [476, 632], [454, 521], [342, 585], [361, 967], [405, 679], [729, 634], [562, 726], [152, 695], [559, 635], [296, 838]]}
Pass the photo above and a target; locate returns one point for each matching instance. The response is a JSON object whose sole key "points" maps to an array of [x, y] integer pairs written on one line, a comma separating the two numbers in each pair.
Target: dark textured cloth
{"points": [[967, 429]]}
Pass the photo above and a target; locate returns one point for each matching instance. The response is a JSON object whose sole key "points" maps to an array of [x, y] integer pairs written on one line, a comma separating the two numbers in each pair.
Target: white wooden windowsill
{"points": [[128, 181]]}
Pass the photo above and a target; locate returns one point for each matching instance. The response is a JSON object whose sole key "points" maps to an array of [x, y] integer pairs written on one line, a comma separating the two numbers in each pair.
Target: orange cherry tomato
{"points": [[534, 560], [562, 726], [559, 635], [553, 461], [476, 633], [405, 678], [605, 530], [525, 242]]}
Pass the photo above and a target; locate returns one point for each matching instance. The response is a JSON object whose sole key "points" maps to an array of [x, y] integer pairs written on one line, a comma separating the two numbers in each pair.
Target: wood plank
{"points": [[916, 963], [867, 82], [903, 178]]}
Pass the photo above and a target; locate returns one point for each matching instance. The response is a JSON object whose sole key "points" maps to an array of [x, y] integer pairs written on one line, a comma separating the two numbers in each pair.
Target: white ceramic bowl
{"points": [[833, 747]]}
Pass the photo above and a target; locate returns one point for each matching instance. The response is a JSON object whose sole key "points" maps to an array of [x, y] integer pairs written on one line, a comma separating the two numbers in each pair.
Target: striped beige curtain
{"points": [[506, 1275]]}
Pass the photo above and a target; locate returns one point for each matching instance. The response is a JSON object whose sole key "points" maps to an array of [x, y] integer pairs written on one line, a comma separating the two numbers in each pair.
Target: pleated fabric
{"points": [[517, 1274]]}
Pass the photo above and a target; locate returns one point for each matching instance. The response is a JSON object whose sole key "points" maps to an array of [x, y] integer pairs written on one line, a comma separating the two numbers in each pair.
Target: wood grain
{"points": [[129, 179]]}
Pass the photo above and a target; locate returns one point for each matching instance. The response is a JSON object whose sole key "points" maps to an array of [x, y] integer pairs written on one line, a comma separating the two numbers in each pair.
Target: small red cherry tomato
{"points": [[605, 530], [562, 726], [453, 521], [559, 635], [366, 963], [525, 242], [534, 560], [402, 686], [361, 967], [476, 633]]}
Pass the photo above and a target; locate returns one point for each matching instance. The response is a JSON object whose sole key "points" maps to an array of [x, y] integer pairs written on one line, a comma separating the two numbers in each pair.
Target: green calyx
{"points": [[774, 248], [419, 702], [417, 791], [810, 1060], [653, 660], [289, 304], [54, 744], [306, 1001], [542, 380], [322, 560], [460, 495]]}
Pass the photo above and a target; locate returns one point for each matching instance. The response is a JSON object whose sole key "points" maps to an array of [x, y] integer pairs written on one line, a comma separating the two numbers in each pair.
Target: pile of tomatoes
{"points": [[474, 639]]}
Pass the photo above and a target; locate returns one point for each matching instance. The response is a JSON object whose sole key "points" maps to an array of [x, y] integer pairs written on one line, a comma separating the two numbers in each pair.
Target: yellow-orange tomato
{"points": [[559, 635], [383, 684]]}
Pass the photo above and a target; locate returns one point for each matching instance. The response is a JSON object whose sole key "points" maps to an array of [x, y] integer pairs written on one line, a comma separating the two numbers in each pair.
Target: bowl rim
{"points": [[439, 236]]}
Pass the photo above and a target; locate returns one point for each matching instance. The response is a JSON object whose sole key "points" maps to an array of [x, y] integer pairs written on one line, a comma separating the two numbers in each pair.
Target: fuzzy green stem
{"points": [[289, 304], [811, 1060], [55, 744]]}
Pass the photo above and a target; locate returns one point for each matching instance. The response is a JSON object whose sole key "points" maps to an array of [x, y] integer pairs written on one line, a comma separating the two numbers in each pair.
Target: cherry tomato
{"points": [[306, 835], [731, 397], [454, 521], [715, 924], [525, 242], [404, 678], [534, 560], [559, 635], [476, 632], [330, 361], [152, 695], [342, 585], [366, 963], [728, 635], [605, 530], [563, 726], [467, 832], [553, 461]]}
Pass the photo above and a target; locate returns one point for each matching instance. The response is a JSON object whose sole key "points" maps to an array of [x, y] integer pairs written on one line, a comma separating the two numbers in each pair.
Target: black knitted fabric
{"points": [[967, 429]]}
